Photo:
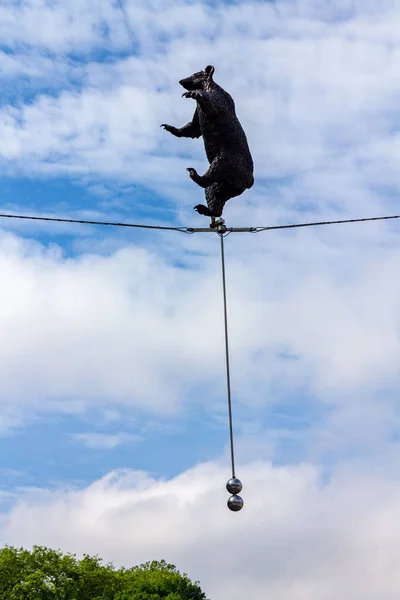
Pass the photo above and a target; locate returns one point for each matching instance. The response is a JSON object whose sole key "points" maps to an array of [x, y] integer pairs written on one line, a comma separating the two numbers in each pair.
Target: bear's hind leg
{"points": [[215, 198]]}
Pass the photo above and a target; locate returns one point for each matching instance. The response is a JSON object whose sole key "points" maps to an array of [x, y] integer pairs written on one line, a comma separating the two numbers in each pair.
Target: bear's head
{"points": [[198, 81]]}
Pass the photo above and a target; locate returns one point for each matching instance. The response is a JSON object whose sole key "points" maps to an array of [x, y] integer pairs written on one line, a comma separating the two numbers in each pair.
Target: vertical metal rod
{"points": [[228, 377]]}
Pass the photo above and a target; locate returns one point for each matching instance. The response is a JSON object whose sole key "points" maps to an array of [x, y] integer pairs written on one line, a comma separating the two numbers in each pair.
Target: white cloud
{"points": [[105, 441], [35, 67], [96, 328], [318, 98], [74, 27], [133, 329], [296, 538]]}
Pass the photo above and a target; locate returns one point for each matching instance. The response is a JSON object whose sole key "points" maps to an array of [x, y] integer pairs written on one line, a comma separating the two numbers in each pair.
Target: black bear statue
{"points": [[231, 165]]}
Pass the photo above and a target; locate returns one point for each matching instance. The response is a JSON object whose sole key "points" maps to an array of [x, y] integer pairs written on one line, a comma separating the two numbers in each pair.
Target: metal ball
{"points": [[234, 486], [235, 503]]}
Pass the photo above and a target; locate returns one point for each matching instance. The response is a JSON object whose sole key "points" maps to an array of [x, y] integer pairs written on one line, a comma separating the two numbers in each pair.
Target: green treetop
{"points": [[45, 574]]}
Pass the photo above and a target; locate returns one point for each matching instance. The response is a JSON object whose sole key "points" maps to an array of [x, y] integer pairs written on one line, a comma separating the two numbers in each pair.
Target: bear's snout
{"points": [[188, 84]]}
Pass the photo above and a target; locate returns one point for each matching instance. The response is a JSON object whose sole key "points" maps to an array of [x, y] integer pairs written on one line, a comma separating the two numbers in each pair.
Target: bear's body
{"points": [[231, 165]]}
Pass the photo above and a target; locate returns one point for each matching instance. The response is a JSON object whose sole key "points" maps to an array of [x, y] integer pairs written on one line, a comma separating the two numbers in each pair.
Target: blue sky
{"points": [[113, 420]]}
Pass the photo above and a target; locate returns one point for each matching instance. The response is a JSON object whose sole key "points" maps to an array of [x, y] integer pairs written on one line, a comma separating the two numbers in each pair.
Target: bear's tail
{"points": [[251, 183]]}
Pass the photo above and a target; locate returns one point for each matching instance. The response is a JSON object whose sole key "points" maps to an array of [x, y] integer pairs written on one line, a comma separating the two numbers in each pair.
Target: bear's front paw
{"points": [[192, 94], [192, 173]]}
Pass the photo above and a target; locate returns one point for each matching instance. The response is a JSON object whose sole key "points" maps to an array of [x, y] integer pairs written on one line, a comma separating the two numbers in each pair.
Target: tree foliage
{"points": [[45, 574]]}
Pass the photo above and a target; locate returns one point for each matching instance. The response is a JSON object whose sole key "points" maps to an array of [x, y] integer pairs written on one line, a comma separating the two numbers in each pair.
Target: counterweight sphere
{"points": [[235, 503], [234, 486]]}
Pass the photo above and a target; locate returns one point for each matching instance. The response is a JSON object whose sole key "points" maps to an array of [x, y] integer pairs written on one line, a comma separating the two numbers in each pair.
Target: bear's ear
{"points": [[209, 71]]}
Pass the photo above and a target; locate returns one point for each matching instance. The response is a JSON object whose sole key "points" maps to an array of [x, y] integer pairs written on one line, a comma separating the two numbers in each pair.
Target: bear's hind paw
{"points": [[203, 210]]}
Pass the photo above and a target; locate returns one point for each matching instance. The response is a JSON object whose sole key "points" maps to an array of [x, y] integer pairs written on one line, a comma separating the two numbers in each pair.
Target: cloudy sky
{"points": [[113, 424]]}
